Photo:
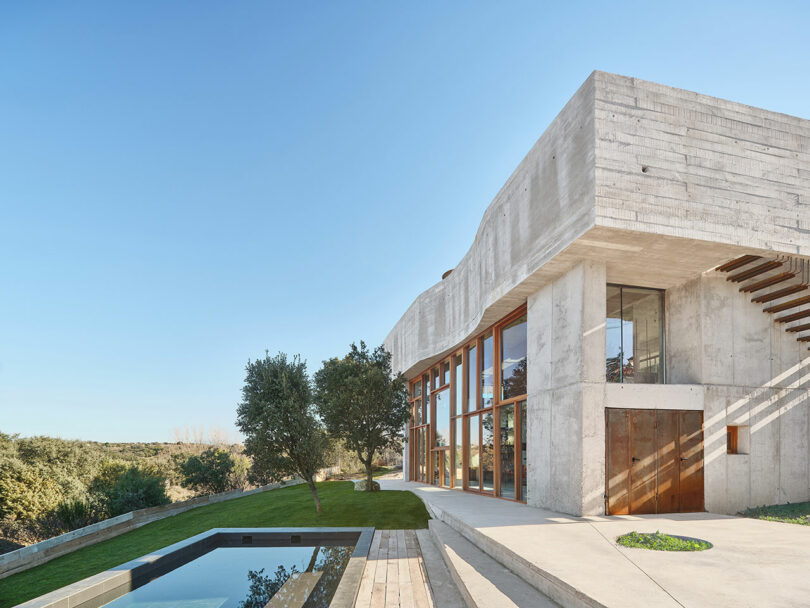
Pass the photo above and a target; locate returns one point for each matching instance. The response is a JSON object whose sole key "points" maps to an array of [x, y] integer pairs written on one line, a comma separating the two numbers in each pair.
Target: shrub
{"points": [[120, 489], [74, 513], [25, 493], [209, 472]]}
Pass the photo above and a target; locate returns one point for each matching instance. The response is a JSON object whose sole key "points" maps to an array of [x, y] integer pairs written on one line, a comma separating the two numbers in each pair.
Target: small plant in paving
{"points": [[796, 513], [662, 542]]}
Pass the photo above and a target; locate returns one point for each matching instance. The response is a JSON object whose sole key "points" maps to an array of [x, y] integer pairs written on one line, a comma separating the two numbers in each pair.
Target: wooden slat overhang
{"points": [[738, 263], [755, 271], [788, 305], [779, 278], [794, 317], [797, 328], [781, 293]]}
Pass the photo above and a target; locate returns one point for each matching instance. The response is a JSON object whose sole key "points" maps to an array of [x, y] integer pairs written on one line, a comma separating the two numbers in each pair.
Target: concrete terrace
{"points": [[575, 561]]}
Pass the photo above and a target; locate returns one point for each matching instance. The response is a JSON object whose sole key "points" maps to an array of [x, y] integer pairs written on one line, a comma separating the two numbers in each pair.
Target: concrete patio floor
{"points": [[577, 563]]}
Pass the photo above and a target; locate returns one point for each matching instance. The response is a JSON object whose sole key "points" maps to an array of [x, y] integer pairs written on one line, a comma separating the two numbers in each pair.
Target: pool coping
{"points": [[105, 586]]}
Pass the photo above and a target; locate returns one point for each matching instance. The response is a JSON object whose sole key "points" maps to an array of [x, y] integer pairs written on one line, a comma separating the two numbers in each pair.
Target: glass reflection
{"points": [[506, 437], [475, 461], [472, 379], [487, 373], [442, 426], [634, 335], [523, 476], [488, 451], [459, 452], [513, 359]]}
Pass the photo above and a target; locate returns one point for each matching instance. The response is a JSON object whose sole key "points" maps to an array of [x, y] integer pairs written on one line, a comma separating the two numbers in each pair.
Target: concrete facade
{"points": [[640, 184]]}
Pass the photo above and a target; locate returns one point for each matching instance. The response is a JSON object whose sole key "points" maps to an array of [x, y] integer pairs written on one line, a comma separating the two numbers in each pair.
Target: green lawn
{"points": [[796, 513], [291, 506], [656, 541]]}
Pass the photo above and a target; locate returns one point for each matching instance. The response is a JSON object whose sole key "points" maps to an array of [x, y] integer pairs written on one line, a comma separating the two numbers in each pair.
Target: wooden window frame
{"points": [[477, 341]]}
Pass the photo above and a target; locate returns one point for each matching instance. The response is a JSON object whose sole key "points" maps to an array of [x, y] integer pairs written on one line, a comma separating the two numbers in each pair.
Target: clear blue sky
{"points": [[184, 185]]}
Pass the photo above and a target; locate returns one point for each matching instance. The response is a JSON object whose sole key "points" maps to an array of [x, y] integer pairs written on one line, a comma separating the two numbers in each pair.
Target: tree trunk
{"points": [[313, 559], [369, 476], [314, 491]]}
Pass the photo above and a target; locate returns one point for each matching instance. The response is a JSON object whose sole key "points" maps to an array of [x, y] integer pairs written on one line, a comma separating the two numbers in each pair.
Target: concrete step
{"points": [[483, 582], [442, 586]]}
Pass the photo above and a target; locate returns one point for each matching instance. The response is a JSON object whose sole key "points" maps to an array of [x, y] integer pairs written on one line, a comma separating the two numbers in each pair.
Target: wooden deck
{"points": [[395, 575]]}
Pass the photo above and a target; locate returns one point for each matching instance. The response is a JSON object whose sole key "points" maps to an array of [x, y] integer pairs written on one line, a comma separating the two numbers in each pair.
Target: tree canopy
{"points": [[362, 402], [277, 417]]}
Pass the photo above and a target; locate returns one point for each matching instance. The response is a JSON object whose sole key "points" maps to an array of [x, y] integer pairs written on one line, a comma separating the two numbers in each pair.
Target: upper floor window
{"points": [[635, 335], [513, 358]]}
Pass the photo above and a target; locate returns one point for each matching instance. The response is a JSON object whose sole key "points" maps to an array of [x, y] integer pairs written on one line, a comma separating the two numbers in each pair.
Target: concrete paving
{"points": [[576, 562]]}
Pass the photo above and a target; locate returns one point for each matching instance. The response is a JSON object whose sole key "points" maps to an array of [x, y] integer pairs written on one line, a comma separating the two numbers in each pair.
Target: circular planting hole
{"points": [[656, 541]]}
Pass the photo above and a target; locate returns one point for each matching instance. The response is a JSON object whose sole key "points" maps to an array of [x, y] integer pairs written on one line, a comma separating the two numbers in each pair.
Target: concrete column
{"points": [[566, 354]]}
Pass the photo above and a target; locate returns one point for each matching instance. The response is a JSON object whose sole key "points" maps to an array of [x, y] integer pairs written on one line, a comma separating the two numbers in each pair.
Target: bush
{"points": [[209, 472], [120, 489], [25, 493], [73, 514]]}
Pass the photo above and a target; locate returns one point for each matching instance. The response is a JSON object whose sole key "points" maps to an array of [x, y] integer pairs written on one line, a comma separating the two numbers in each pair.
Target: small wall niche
{"points": [[738, 439]]}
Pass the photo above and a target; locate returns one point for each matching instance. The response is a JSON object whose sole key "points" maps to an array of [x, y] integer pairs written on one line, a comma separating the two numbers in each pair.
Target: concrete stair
{"points": [[482, 581]]}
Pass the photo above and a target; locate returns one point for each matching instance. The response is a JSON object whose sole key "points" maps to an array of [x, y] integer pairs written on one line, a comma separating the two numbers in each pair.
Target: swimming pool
{"points": [[232, 568]]}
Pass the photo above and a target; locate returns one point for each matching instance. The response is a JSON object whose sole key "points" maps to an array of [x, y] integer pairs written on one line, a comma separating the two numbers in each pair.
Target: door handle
{"points": [[636, 459], [683, 459]]}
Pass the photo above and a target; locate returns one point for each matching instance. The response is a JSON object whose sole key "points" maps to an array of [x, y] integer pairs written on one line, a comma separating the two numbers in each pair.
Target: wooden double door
{"points": [[654, 461]]}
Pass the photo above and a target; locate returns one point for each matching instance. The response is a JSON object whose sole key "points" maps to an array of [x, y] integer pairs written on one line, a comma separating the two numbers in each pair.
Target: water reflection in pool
{"points": [[247, 577]]}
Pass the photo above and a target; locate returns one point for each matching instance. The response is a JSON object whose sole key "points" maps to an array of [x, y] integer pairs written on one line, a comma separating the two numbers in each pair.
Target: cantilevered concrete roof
{"points": [[659, 183]]}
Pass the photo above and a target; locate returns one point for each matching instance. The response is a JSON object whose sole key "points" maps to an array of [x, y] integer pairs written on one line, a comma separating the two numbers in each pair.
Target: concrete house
{"points": [[629, 331]]}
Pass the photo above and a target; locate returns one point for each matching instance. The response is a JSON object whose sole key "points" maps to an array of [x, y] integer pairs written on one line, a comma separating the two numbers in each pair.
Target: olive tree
{"points": [[282, 434], [362, 402]]}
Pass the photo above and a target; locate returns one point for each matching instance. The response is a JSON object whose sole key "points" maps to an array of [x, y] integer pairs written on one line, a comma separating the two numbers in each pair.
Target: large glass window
{"points": [[487, 452], [459, 386], [474, 456], [487, 372], [442, 399], [634, 335], [459, 452], [523, 476], [472, 380], [506, 440], [513, 359]]}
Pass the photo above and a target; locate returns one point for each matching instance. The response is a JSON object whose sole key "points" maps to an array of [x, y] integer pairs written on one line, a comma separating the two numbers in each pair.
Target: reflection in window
{"points": [[445, 377], [426, 409], [506, 431], [459, 385], [634, 335], [442, 418], [417, 389], [445, 456], [420, 450], [417, 406], [523, 484], [475, 461], [487, 377], [488, 451], [513, 359], [472, 398], [459, 452]]}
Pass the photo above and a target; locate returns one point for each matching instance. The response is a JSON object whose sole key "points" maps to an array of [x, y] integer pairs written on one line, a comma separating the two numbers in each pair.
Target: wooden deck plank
{"points": [[405, 585], [421, 592], [381, 572], [392, 578], [367, 581]]}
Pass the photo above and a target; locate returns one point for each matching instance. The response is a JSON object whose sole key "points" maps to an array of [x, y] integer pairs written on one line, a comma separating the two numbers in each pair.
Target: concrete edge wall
{"points": [[545, 205], [28, 557]]}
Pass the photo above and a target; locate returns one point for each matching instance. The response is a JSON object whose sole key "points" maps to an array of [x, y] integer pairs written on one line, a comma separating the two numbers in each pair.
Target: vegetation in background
{"points": [[661, 542], [342, 506], [49, 486], [791, 513], [362, 403], [282, 435], [210, 472]]}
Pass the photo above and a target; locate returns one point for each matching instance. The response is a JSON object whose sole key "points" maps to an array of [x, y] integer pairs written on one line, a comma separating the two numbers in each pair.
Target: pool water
{"points": [[247, 577]]}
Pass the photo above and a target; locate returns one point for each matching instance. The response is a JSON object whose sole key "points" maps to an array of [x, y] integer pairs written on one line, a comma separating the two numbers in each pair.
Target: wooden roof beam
{"points": [[780, 293], [756, 270], [779, 278], [737, 263], [802, 314], [788, 305], [798, 328]]}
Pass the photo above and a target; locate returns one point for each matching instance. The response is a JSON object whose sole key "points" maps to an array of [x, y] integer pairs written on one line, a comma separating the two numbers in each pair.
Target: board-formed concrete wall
{"points": [[754, 375], [566, 373], [716, 170], [544, 206]]}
